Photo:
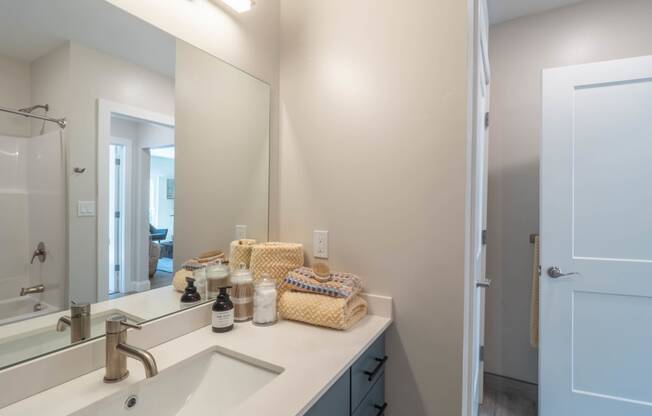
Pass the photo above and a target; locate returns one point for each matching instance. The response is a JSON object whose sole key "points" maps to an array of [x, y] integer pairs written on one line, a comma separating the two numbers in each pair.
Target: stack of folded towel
{"points": [[204, 259], [335, 303]]}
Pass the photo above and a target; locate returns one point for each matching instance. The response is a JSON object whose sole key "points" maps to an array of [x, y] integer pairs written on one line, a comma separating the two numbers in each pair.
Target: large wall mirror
{"points": [[124, 152]]}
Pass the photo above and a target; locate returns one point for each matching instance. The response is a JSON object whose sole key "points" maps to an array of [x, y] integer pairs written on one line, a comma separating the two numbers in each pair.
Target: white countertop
{"points": [[312, 359]]}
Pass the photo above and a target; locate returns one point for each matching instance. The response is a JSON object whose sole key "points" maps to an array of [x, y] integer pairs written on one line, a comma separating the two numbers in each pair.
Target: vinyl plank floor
{"points": [[506, 404], [160, 279]]}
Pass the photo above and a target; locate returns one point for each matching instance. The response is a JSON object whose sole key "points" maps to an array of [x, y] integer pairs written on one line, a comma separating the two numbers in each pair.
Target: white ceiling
{"points": [[32, 28], [503, 10]]}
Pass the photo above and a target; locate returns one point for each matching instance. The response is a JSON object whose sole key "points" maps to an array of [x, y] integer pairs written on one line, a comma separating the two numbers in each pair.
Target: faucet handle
{"points": [[117, 323], [133, 326]]}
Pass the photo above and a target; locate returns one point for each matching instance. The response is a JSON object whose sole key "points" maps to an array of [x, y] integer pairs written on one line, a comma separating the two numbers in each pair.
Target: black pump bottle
{"points": [[222, 312]]}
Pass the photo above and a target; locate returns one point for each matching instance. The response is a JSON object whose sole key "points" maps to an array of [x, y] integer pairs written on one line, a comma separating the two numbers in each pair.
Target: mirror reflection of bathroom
{"points": [[103, 126], [75, 155]]}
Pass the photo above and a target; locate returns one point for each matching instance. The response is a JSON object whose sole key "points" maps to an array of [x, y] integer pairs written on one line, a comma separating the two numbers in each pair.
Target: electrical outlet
{"points": [[240, 232], [85, 208], [320, 244]]}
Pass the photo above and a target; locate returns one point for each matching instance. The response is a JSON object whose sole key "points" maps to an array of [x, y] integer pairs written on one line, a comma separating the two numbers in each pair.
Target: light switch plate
{"points": [[320, 244], [85, 208], [240, 232]]}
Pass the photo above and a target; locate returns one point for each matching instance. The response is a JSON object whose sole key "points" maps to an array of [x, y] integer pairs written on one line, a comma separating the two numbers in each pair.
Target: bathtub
{"points": [[23, 307]]}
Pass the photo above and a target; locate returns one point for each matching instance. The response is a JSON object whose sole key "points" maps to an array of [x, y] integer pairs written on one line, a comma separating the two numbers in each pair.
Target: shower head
{"points": [[46, 107], [27, 112]]}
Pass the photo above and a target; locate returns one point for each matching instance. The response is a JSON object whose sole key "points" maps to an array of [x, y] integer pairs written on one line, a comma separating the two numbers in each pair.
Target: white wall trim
{"points": [[105, 109], [142, 207], [139, 285]]}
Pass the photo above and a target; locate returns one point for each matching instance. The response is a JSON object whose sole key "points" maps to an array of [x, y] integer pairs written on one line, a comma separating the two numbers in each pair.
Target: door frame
{"points": [[478, 62], [126, 207], [106, 109]]}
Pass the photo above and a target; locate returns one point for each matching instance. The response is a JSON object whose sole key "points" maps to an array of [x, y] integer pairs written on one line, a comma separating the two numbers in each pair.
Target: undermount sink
{"points": [[46, 339], [212, 382]]}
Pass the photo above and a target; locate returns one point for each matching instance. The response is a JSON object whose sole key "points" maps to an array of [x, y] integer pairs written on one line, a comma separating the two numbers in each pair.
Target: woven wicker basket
{"points": [[240, 253], [275, 259]]}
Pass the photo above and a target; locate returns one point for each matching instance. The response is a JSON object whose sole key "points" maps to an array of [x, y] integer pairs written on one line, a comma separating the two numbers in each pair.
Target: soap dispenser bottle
{"points": [[222, 318], [190, 296]]}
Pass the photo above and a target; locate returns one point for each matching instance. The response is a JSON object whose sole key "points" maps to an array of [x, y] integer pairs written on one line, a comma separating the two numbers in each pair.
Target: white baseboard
{"points": [[139, 286]]}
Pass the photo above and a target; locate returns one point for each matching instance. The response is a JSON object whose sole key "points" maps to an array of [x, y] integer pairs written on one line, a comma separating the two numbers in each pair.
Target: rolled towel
{"points": [[240, 253], [275, 259], [340, 285], [179, 279], [201, 262], [330, 312], [210, 256]]}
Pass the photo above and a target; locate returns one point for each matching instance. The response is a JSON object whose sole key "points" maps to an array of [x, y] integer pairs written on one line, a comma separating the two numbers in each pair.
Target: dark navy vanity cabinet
{"points": [[360, 391]]}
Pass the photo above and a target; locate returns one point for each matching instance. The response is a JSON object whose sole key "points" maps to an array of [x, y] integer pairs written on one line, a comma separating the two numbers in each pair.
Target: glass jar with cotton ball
{"points": [[265, 295]]}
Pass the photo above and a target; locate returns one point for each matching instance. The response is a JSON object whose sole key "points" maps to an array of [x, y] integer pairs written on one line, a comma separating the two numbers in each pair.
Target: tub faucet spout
{"points": [[32, 289]]}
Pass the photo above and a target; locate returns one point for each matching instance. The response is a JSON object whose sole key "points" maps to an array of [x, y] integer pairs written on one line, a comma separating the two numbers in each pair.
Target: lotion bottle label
{"points": [[222, 319]]}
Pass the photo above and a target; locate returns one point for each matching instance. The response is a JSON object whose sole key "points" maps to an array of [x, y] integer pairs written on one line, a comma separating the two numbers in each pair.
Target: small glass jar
{"points": [[217, 276], [265, 295], [242, 293], [199, 275]]}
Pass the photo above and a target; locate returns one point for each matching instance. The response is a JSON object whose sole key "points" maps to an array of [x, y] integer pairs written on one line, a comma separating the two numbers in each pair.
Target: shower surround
{"points": [[32, 209]]}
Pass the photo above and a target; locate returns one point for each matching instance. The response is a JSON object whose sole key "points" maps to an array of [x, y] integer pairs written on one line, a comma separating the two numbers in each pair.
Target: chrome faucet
{"points": [[32, 289], [117, 351], [79, 322]]}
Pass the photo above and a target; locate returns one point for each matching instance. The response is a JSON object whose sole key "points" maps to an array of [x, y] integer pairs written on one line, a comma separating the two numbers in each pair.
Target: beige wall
{"points": [[94, 75], [591, 31], [373, 149], [50, 80], [222, 154], [249, 41], [15, 87]]}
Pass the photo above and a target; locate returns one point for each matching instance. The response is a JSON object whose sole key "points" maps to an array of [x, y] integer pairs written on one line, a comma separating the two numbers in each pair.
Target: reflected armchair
{"points": [[157, 234]]}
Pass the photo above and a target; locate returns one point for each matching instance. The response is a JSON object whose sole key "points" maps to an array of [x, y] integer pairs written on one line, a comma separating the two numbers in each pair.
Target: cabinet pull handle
{"points": [[381, 409], [372, 374]]}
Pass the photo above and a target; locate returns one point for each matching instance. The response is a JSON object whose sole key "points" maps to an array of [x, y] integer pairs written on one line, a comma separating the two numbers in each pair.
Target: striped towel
{"points": [[341, 285], [534, 298]]}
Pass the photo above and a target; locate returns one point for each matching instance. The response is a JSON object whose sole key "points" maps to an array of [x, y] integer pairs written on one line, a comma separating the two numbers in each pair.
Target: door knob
{"points": [[555, 272], [483, 283]]}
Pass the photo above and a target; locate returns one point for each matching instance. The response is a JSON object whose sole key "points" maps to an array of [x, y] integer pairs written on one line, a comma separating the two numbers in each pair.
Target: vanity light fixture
{"points": [[240, 6]]}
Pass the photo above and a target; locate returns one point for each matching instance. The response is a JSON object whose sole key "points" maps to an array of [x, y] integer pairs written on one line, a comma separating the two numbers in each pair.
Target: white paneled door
{"points": [[596, 236]]}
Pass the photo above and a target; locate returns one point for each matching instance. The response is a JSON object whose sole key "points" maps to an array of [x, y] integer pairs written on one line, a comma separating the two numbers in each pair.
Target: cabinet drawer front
{"points": [[336, 401], [366, 370], [374, 404]]}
